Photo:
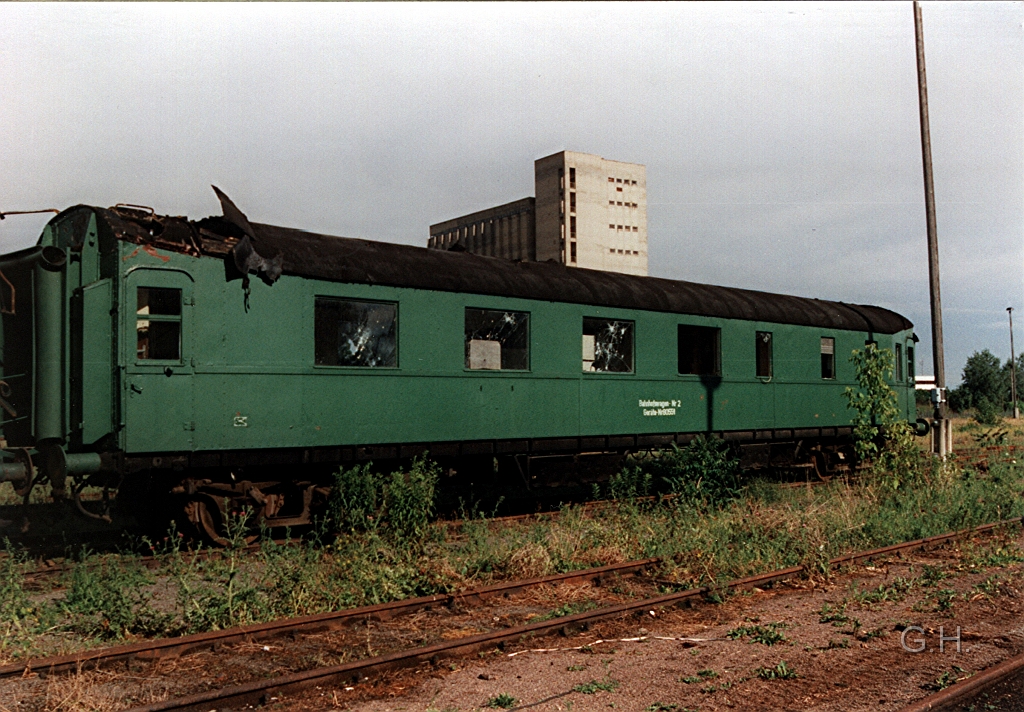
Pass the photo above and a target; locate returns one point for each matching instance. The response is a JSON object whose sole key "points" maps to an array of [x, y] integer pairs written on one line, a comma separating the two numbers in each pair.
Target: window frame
{"points": [[832, 355], [898, 370], [717, 371], [632, 354], [771, 355], [506, 371], [178, 319], [360, 369]]}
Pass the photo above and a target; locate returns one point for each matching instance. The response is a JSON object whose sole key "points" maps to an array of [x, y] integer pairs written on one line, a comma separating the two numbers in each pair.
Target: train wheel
{"points": [[820, 460], [214, 524]]}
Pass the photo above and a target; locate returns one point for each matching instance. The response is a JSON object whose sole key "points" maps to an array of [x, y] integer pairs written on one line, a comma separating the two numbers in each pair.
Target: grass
{"points": [[895, 590], [701, 676], [569, 609], [780, 672], [595, 686], [402, 555], [836, 616], [764, 634], [946, 679], [504, 701]]}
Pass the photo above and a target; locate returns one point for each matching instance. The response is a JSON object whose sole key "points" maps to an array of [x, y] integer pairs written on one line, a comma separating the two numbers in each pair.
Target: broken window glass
{"points": [[349, 333], [607, 345], [700, 350], [158, 324], [497, 340]]}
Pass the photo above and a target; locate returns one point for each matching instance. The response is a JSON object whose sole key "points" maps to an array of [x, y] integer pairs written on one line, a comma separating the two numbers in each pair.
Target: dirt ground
{"points": [[686, 659]]}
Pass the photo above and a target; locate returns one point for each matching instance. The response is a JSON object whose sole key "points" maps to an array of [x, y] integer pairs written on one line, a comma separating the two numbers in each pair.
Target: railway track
{"points": [[259, 691], [172, 647], [972, 692]]}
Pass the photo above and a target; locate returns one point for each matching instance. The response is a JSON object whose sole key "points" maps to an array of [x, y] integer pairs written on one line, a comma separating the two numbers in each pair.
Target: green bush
{"points": [[409, 499], [356, 499], [705, 472], [630, 482], [15, 605], [986, 412], [107, 599], [400, 504], [881, 432]]}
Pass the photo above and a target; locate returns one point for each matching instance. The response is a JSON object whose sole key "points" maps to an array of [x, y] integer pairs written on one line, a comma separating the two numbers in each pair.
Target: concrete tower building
{"points": [[588, 212]]}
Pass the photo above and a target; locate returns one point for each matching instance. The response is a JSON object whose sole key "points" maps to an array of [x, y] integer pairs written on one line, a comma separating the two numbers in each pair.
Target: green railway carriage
{"points": [[246, 361]]}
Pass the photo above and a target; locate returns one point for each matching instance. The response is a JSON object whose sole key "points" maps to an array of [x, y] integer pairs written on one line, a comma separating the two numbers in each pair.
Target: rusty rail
{"points": [[260, 691], [165, 647], [967, 689]]}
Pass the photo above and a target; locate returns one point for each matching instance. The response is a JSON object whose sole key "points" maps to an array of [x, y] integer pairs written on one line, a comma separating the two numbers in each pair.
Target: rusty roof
{"points": [[344, 259]]}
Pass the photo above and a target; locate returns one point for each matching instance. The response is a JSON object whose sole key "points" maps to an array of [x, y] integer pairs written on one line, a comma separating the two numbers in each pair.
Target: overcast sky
{"points": [[781, 141]]}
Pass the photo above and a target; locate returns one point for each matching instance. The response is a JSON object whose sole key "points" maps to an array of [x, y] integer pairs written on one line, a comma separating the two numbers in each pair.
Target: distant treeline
{"points": [[986, 386]]}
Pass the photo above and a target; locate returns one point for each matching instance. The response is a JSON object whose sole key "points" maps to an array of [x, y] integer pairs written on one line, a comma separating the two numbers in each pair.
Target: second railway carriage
{"points": [[238, 363]]}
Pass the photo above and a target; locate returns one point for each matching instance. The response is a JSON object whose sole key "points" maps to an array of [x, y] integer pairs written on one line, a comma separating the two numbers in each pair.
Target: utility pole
{"points": [[1013, 369], [943, 441]]}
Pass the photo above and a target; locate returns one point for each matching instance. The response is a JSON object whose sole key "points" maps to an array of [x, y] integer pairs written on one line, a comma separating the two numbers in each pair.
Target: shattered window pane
{"points": [[350, 333], [497, 340], [607, 345]]}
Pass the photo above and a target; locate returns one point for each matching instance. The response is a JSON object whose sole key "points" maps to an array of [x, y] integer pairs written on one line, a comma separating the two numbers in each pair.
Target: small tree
{"points": [[881, 432], [985, 379]]}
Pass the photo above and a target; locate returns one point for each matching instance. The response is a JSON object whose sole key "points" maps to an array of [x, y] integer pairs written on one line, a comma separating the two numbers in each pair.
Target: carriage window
{"points": [[497, 340], [828, 357], [763, 339], [700, 350], [158, 324], [607, 345], [910, 364], [899, 362], [349, 333]]}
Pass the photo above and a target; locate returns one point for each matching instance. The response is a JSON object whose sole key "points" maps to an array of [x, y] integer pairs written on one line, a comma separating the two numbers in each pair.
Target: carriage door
{"points": [[158, 307]]}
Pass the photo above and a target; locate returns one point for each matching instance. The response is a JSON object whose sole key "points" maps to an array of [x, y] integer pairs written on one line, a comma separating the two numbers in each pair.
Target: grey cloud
{"points": [[781, 140]]}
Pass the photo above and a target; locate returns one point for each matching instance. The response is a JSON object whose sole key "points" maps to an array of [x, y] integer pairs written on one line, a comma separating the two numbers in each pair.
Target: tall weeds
{"points": [[392, 550]]}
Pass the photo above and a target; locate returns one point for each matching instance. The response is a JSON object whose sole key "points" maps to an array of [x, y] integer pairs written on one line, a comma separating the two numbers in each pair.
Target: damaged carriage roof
{"points": [[343, 259]]}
